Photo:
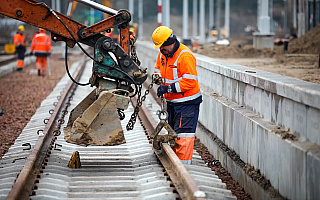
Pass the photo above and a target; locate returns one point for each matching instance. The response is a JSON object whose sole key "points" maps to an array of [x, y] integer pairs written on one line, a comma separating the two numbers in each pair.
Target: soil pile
{"points": [[233, 51], [301, 61], [242, 48], [307, 44]]}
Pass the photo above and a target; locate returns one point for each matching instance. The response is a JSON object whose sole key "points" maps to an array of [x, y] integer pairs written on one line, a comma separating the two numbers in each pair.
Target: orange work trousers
{"points": [[184, 147], [20, 63], [20, 50], [41, 64]]}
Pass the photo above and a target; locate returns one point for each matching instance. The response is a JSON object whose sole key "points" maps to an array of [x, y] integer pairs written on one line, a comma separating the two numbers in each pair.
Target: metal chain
{"points": [[140, 99], [133, 50]]}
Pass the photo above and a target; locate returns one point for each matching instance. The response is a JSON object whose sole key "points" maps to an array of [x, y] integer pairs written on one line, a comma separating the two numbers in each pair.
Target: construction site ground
{"points": [[21, 93], [300, 61]]}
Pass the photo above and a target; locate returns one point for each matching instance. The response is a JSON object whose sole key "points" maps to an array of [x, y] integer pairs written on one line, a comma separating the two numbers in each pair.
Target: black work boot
{"points": [[39, 72]]}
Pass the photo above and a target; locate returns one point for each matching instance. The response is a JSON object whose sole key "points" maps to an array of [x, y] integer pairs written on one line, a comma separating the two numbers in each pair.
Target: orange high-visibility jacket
{"points": [[179, 70], [19, 40], [41, 44]]}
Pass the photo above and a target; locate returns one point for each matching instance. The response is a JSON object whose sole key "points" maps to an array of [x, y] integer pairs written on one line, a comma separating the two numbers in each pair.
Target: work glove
{"points": [[163, 89], [31, 53]]}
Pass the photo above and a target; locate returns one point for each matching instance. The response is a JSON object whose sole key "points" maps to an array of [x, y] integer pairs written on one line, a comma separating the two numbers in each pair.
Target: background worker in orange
{"points": [[176, 65], [20, 45], [41, 45]]}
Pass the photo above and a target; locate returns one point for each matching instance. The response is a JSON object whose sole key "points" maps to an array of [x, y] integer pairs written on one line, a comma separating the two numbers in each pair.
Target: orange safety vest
{"points": [[181, 71], [19, 39], [41, 43]]}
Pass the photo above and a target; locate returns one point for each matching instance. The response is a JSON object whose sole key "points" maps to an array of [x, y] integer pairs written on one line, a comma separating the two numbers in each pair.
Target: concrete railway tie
{"points": [[128, 171]]}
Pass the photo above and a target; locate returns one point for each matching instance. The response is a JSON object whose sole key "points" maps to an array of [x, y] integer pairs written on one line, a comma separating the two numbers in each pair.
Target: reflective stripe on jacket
{"points": [[41, 43], [180, 70], [19, 40]]}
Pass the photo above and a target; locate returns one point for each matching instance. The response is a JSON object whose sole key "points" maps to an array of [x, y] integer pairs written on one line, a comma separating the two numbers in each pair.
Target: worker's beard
{"points": [[169, 51], [165, 52]]}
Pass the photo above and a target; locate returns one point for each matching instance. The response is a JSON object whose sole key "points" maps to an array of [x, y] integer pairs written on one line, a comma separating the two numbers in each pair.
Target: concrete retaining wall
{"points": [[11, 67], [252, 112]]}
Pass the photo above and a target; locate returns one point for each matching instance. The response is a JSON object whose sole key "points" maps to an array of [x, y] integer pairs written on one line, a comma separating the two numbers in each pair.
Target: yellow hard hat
{"points": [[41, 30], [160, 35], [21, 28]]}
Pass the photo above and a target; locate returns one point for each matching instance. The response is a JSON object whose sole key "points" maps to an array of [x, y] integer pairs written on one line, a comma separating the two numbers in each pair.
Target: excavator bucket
{"points": [[95, 121]]}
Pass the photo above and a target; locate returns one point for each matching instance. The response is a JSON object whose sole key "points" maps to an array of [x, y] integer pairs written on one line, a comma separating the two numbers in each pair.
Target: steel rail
{"points": [[12, 59], [23, 184], [182, 180], [9, 60]]}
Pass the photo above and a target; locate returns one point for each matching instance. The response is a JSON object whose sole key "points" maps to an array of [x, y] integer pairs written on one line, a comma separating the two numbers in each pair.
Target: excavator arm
{"points": [[40, 15], [96, 120]]}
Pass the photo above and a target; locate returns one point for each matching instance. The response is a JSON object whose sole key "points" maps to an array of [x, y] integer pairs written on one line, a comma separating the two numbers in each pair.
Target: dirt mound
{"points": [[307, 44], [301, 61], [233, 51]]}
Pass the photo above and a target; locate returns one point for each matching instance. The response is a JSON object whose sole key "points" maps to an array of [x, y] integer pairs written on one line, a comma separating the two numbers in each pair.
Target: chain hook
{"points": [[163, 114]]}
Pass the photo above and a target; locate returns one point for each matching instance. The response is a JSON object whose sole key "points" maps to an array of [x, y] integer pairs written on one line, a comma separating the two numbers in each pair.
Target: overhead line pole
{"points": [[159, 13], [227, 18], [211, 14], [195, 18], [202, 20], [294, 14], [53, 4], [314, 14], [58, 7], [131, 9], [301, 18], [166, 13], [185, 20], [218, 24]]}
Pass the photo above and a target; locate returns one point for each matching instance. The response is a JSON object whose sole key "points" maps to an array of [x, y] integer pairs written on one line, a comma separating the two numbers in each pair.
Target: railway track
{"points": [[35, 167], [5, 59]]}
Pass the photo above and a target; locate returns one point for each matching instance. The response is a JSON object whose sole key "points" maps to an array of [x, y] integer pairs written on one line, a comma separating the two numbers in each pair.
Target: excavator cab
{"points": [[116, 74]]}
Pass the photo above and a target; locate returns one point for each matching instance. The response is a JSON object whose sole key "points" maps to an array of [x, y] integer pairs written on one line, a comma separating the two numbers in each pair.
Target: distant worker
{"points": [[287, 38], [285, 41], [20, 46], [176, 66], [41, 45], [132, 33]]}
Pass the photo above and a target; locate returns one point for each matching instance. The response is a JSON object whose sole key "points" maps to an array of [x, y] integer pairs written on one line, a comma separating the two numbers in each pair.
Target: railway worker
{"points": [[176, 65], [20, 46], [41, 46]]}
